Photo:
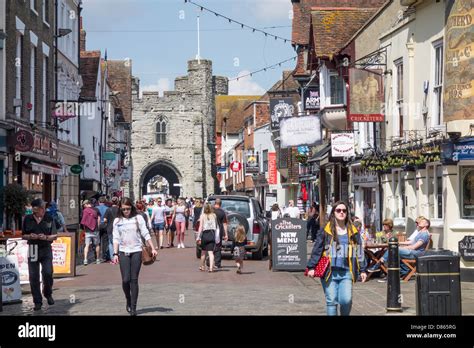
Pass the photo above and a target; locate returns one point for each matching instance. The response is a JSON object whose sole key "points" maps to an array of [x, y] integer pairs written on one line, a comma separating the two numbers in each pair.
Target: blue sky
{"points": [[159, 36]]}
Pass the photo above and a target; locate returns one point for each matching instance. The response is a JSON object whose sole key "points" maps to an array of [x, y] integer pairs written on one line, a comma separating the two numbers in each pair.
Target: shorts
{"points": [[92, 237], [160, 226]]}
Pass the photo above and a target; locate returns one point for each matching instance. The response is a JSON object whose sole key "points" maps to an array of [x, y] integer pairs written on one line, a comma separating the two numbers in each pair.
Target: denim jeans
{"points": [[404, 254], [111, 246], [338, 290]]}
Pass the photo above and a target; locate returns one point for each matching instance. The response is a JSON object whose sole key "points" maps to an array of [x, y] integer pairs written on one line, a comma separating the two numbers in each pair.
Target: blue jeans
{"points": [[338, 290], [111, 246]]}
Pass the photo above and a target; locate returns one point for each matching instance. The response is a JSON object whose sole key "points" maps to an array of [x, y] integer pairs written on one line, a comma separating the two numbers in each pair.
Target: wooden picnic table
{"points": [[374, 253]]}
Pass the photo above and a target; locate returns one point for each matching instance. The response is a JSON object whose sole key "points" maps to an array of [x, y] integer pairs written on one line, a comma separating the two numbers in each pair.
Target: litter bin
{"points": [[438, 283]]}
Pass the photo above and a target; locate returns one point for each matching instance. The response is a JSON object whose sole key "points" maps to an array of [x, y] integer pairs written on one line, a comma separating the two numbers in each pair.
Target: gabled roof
{"points": [[302, 14], [333, 27], [120, 79], [231, 107], [90, 64]]}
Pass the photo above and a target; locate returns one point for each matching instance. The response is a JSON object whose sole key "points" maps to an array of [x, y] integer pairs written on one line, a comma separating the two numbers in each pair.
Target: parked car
{"points": [[246, 211]]}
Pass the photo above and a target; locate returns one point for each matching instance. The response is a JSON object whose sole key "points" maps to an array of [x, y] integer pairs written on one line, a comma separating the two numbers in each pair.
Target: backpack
{"points": [[57, 222]]}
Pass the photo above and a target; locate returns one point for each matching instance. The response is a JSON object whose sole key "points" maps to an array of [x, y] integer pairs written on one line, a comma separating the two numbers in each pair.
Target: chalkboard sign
{"points": [[289, 244], [466, 248]]}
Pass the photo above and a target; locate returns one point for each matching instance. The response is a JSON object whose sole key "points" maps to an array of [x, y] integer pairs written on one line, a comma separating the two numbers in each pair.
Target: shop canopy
{"points": [[46, 169]]}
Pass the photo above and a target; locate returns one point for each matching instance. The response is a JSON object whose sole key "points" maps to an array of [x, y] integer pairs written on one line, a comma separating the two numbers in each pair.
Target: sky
{"points": [[160, 36]]}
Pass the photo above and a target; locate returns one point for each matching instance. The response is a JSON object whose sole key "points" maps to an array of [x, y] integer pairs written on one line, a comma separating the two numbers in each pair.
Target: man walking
{"points": [[39, 230], [222, 222], [158, 217], [292, 211], [110, 215], [102, 208]]}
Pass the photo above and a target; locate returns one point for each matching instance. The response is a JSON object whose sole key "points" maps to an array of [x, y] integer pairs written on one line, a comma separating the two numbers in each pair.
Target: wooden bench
{"points": [[411, 263]]}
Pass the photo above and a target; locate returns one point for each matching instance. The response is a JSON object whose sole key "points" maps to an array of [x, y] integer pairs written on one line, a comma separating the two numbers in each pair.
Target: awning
{"points": [[43, 168], [321, 154]]}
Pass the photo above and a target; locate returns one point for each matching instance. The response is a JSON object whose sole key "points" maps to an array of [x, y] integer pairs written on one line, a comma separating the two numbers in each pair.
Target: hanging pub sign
{"points": [[342, 144], [236, 166], [366, 96], [272, 169], [458, 82], [300, 130], [466, 248], [279, 108], [23, 141], [251, 163], [312, 98]]}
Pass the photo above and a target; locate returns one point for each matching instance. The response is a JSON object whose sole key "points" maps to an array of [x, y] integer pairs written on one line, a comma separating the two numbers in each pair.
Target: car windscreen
{"points": [[230, 206]]}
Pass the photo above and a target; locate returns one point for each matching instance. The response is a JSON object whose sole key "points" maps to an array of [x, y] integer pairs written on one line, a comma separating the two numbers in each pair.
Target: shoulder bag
{"points": [[147, 251], [321, 266]]}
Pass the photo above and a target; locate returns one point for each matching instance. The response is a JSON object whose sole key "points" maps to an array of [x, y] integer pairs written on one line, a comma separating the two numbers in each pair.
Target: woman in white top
{"points": [[128, 231], [179, 216], [207, 236]]}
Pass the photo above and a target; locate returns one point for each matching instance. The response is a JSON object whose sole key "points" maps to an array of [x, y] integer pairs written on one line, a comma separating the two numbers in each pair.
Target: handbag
{"points": [[147, 251], [208, 236]]}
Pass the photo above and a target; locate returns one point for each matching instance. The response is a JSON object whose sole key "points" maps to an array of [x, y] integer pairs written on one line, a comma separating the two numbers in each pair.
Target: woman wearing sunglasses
{"points": [[129, 229], [341, 244]]}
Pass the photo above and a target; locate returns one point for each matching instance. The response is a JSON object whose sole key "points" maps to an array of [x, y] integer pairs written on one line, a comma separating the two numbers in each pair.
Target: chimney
{"points": [[83, 38]]}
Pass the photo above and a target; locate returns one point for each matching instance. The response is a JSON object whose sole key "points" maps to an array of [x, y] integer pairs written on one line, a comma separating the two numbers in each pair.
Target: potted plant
{"points": [[13, 199]]}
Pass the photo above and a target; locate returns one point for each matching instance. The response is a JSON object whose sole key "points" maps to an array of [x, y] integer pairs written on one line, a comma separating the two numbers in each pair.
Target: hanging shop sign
{"points": [[280, 108], [64, 110], [342, 145], [236, 166], [109, 156], [366, 95], [463, 150], [300, 130], [23, 141], [362, 176], [272, 169], [312, 98], [458, 81], [251, 163], [76, 169]]}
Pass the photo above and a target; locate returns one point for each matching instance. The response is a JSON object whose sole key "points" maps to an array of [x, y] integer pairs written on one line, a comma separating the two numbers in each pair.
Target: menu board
{"points": [[64, 255], [289, 244]]}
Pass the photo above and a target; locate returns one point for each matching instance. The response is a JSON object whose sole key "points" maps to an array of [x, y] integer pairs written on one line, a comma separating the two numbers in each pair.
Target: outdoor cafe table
{"points": [[374, 253]]}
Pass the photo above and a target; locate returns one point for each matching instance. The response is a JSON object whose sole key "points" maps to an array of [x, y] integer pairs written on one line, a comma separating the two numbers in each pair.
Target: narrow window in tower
{"points": [[161, 130]]}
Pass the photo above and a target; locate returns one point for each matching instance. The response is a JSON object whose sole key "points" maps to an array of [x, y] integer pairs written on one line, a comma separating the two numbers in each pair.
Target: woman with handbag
{"points": [[128, 231], [207, 236], [338, 259]]}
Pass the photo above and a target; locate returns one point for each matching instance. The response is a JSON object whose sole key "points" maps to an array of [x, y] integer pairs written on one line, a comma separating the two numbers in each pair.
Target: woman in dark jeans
{"points": [[128, 231]]}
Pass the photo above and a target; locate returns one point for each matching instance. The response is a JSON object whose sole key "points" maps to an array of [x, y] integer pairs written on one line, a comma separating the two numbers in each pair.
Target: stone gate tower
{"points": [[174, 135]]}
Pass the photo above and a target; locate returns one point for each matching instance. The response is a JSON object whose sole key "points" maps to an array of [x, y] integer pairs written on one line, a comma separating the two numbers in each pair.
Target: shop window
{"points": [[399, 194], [399, 96], [435, 191], [336, 89], [438, 83], [467, 192], [265, 161]]}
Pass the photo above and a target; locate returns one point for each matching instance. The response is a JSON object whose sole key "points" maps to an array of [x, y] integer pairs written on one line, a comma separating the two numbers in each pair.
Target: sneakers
{"points": [[98, 261], [182, 246], [382, 280], [50, 300], [374, 268], [86, 263]]}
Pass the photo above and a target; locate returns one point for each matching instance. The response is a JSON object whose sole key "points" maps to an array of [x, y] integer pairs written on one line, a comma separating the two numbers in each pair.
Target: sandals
{"points": [[202, 269]]}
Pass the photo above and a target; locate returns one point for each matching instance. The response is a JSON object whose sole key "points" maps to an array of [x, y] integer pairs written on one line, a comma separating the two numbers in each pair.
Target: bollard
{"points": [[393, 277]]}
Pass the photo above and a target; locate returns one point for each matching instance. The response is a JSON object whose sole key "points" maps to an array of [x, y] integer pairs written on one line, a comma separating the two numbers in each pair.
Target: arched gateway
{"points": [[165, 169], [173, 135]]}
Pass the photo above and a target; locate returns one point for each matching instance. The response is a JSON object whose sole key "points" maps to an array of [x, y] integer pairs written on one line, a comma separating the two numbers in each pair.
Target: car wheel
{"points": [[258, 255], [198, 252]]}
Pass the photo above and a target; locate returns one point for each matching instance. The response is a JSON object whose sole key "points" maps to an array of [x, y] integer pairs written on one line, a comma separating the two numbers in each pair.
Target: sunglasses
{"points": [[341, 211], [126, 209]]}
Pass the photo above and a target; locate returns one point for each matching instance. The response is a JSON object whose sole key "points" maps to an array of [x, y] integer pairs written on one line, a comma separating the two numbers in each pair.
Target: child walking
{"points": [[240, 241]]}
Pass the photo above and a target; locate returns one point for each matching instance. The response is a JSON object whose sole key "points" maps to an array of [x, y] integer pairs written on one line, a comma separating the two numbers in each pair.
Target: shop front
{"points": [[458, 176], [35, 162], [366, 198], [68, 184]]}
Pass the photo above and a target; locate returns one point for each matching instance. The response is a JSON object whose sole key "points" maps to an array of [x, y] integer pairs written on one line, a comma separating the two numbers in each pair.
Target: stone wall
{"points": [[190, 115]]}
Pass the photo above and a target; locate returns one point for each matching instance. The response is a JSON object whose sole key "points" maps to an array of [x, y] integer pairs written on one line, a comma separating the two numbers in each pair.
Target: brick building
{"points": [[29, 58]]}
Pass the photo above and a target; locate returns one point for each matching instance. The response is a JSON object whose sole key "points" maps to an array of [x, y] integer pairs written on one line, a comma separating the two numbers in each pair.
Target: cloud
{"points": [[245, 86], [269, 10], [162, 85]]}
